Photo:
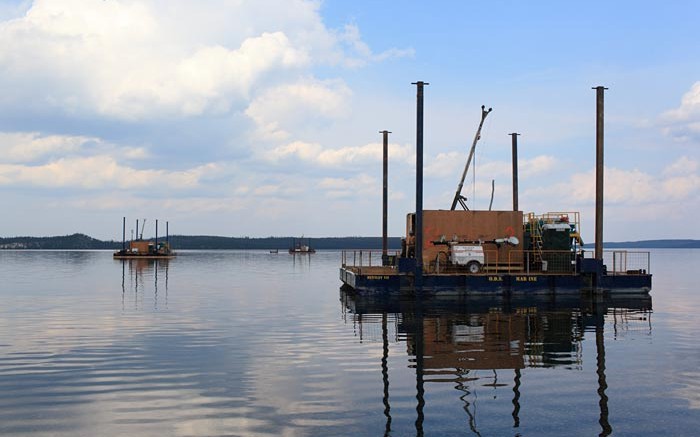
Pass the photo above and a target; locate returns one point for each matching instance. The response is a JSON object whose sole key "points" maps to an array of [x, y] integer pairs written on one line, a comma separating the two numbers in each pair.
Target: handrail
{"points": [[617, 262], [364, 258]]}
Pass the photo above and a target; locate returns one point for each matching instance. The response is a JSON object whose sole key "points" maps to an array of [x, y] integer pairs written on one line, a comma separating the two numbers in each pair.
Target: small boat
{"points": [[301, 248], [274, 251], [139, 248]]}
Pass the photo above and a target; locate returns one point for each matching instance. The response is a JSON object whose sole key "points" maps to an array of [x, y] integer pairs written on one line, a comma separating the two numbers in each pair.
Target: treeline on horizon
{"points": [[650, 244], [207, 242], [201, 242]]}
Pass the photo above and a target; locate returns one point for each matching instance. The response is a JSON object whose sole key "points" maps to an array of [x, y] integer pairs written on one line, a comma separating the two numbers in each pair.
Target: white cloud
{"points": [[684, 121], [350, 36], [278, 110], [360, 185], [451, 165], [317, 154], [119, 201], [33, 147], [537, 165], [626, 187], [135, 153], [682, 166], [99, 172], [28, 146], [445, 165], [144, 59]]}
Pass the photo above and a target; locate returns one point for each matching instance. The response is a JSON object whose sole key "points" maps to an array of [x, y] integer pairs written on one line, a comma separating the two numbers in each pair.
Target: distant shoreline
{"points": [[205, 242], [199, 242], [650, 244]]}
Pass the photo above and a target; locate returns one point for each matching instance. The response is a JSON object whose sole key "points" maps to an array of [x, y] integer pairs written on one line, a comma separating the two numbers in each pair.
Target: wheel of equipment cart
{"points": [[473, 267]]}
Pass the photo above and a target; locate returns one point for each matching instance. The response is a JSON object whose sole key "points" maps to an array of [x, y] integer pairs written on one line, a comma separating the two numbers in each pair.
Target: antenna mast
{"points": [[458, 195]]}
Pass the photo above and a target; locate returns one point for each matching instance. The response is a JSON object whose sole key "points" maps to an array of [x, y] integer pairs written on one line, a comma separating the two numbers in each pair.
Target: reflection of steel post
{"points": [[600, 370], [420, 390], [385, 376], [516, 399], [419, 183], [166, 282], [155, 280]]}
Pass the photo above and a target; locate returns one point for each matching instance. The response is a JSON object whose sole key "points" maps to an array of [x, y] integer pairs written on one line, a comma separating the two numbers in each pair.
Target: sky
{"points": [[262, 118]]}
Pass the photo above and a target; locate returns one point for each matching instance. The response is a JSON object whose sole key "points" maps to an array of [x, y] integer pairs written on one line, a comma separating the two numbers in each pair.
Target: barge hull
{"points": [[444, 284]]}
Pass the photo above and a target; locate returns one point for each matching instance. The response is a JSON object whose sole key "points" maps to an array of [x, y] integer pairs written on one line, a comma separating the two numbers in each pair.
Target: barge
{"points": [[448, 252], [298, 247], [471, 252], [138, 248]]}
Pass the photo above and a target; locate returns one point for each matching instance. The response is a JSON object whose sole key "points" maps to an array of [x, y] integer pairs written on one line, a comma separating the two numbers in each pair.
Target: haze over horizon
{"points": [[226, 118]]}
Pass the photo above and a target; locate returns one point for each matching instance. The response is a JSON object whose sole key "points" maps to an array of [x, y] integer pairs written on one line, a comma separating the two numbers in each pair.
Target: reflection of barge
{"points": [[498, 332], [476, 341], [138, 248], [456, 252]]}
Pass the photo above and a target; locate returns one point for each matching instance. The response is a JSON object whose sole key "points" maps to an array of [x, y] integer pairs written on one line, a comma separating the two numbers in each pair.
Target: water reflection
{"points": [[142, 275], [487, 341], [301, 261]]}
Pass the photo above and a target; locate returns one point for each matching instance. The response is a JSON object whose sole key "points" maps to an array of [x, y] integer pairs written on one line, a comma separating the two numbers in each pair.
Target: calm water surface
{"points": [[256, 344]]}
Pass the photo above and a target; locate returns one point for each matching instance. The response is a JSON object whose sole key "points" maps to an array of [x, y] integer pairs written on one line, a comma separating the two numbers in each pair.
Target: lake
{"points": [[246, 343]]}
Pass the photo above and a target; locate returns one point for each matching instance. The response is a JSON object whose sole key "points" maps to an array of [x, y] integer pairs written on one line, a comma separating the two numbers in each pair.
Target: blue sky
{"points": [[226, 118]]}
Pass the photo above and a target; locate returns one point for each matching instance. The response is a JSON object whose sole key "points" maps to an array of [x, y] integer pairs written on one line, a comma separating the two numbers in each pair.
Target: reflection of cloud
{"points": [[691, 389]]}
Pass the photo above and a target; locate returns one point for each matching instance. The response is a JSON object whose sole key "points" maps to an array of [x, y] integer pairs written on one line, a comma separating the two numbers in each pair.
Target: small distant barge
{"points": [[138, 248], [453, 252], [299, 247]]}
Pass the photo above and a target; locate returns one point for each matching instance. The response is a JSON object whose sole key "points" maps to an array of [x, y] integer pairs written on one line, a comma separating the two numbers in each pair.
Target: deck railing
{"points": [[624, 262], [366, 257], [561, 262]]}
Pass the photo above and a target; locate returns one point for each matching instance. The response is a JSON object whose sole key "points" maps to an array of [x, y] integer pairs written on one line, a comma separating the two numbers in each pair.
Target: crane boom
{"points": [[458, 195]]}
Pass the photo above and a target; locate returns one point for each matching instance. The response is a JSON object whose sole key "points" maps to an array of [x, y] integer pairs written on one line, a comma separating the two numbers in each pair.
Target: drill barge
{"points": [[138, 248], [479, 258], [463, 252]]}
